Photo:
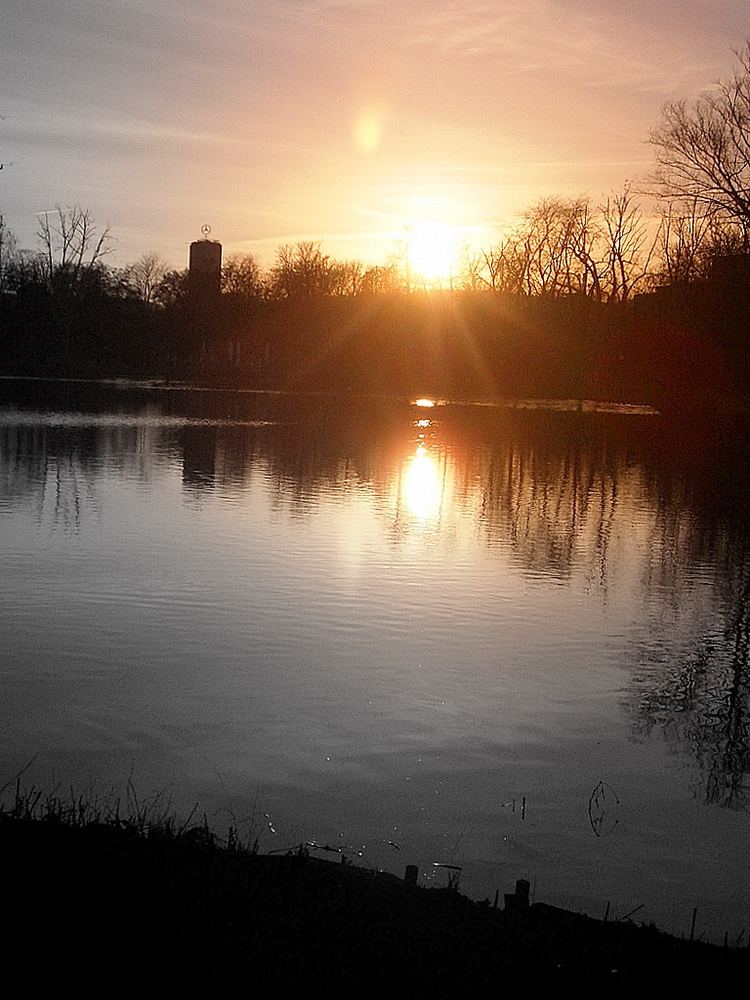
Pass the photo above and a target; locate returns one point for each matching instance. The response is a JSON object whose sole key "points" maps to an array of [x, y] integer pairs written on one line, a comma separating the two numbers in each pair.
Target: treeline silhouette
{"points": [[578, 299], [536, 316]]}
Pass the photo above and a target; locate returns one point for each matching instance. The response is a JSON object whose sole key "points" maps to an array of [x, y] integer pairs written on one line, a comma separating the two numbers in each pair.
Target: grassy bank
{"points": [[146, 905]]}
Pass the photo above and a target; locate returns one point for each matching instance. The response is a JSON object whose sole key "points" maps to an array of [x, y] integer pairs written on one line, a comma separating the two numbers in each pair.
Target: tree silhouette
{"points": [[703, 149], [241, 277], [71, 244], [7, 250], [627, 250], [144, 277], [301, 270]]}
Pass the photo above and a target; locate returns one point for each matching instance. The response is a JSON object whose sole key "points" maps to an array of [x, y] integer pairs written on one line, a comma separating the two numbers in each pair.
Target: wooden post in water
{"points": [[497, 896], [692, 925], [410, 875]]}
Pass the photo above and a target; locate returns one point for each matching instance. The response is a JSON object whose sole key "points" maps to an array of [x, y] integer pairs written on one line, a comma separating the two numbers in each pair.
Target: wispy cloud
{"points": [[165, 113], [550, 38]]}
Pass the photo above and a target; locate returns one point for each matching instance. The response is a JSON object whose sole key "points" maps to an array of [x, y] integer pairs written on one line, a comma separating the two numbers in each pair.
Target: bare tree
{"points": [[470, 267], [172, 289], [690, 237], [71, 243], [564, 246], [303, 270], [628, 252], [585, 234], [703, 150], [7, 250], [552, 253], [145, 275], [347, 277], [682, 239], [497, 269], [382, 279], [241, 276]]}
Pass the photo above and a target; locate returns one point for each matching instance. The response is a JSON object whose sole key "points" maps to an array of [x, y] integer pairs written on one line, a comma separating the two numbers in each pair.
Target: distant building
{"points": [[204, 274]]}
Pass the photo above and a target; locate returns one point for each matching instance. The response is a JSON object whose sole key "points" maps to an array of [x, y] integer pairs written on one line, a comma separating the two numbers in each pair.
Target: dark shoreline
{"points": [[175, 909], [681, 350]]}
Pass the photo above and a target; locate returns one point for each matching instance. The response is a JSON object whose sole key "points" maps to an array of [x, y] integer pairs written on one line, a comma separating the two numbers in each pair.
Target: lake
{"points": [[511, 639]]}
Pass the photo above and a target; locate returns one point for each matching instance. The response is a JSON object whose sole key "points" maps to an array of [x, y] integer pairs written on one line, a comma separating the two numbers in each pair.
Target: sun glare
{"points": [[433, 250]]}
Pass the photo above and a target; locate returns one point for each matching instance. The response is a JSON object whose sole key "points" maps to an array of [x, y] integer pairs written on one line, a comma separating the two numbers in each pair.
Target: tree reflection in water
{"points": [[703, 702], [700, 697], [554, 493]]}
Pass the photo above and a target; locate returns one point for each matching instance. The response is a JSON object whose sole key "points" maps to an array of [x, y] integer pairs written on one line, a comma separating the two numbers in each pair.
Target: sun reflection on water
{"points": [[422, 487]]}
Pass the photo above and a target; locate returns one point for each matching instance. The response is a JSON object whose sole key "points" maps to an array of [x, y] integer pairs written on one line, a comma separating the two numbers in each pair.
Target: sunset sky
{"points": [[336, 120]]}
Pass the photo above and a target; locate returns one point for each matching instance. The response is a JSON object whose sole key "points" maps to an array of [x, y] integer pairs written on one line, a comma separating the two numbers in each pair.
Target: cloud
{"points": [[162, 113], [598, 47]]}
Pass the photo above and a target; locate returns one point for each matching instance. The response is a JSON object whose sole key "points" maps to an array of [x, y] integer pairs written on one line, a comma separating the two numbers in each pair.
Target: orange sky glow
{"points": [[369, 125]]}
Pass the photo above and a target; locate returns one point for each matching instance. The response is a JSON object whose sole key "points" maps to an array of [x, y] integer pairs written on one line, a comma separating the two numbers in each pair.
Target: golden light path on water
{"points": [[387, 624], [422, 488]]}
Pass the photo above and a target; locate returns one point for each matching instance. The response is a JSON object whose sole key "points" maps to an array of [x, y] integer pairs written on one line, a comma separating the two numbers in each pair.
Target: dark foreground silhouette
{"points": [[681, 349], [112, 910]]}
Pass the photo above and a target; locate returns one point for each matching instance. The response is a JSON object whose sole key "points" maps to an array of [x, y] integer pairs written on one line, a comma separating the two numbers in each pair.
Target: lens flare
{"points": [[368, 130]]}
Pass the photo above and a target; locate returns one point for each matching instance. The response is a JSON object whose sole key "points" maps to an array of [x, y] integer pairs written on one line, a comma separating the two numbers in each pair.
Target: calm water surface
{"points": [[381, 627]]}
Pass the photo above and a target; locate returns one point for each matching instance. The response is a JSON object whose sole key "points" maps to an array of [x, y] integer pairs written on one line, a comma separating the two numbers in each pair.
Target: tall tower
{"points": [[204, 274]]}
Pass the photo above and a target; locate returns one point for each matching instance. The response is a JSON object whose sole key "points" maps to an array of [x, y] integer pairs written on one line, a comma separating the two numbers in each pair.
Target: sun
{"points": [[432, 252]]}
